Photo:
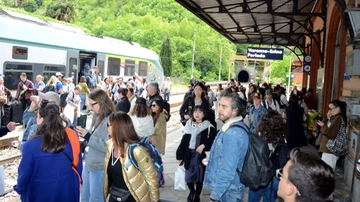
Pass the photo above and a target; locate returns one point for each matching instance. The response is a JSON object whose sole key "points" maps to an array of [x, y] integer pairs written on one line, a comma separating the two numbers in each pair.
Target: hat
{"points": [[268, 92], [50, 96], [140, 100], [310, 90], [59, 74], [257, 95]]}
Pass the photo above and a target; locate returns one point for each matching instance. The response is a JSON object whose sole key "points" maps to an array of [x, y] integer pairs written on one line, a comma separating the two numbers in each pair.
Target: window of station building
{"points": [[143, 68], [19, 52], [12, 73], [113, 66], [129, 67]]}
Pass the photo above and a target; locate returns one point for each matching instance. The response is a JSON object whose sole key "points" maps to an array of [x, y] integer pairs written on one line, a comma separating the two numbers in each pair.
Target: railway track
{"points": [[3, 161]]}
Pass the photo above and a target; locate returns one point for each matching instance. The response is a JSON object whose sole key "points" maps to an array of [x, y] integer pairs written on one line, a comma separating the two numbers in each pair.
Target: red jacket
{"points": [[309, 99], [28, 92]]}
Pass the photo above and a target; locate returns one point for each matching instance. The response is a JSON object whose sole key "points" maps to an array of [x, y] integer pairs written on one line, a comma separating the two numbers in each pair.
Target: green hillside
{"points": [[153, 24]]}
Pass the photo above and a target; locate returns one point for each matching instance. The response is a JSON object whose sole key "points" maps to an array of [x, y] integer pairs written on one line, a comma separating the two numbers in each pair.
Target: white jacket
{"points": [[143, 126]]}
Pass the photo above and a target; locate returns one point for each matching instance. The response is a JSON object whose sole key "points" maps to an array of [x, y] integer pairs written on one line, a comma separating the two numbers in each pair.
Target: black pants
{"points": [[25, 103]]}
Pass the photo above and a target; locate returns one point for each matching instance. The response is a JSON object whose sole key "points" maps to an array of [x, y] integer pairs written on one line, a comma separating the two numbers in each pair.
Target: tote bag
{"points": [[179, 183]]}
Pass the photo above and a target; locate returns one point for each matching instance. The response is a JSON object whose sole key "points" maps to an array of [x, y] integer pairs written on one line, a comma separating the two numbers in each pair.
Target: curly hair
{"points": [[272, 127]]}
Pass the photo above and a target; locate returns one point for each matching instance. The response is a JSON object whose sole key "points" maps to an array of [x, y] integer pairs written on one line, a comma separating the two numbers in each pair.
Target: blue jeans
{"points": [[83, 100], [167, 96], [92, 189], [255, 194], [233, 196]]}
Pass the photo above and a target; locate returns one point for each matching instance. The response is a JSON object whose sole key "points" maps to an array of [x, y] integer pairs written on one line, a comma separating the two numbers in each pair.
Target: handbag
{"points": [[118, 194], [339, 145], [179, 182]]}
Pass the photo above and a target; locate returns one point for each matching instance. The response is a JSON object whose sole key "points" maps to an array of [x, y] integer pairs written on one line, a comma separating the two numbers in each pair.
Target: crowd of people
{"points": [[268, 112], [123, 113]]}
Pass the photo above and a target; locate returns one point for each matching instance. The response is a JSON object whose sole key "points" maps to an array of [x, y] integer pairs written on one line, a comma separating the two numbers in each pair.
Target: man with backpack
{"points": [[91, 80], [256, 111], [270, 102], [228, 151]]}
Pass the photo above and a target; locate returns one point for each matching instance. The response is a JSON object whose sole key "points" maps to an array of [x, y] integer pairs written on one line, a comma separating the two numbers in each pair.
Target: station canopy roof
{"points": [[270, 22]]}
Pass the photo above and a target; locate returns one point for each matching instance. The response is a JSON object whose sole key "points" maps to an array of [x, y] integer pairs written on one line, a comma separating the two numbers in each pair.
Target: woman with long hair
{"points": [[95, 149], [198, 98], [199, 134], [141, 118], [295, 117], [160, 116], [45, 172], [129, 179], [272, 128], [331, 125], [84, 90]]}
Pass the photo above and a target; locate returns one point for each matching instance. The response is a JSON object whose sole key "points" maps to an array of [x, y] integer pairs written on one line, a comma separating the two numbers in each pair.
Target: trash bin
{"points": [[312, 114]]}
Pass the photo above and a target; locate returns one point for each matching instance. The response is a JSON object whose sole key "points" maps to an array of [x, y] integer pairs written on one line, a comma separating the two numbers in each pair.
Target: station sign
{"points": [[265, 53]]}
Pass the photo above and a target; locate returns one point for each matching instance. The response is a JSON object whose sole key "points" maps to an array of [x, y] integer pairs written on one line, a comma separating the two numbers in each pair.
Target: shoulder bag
{"points": [[339, 145]]}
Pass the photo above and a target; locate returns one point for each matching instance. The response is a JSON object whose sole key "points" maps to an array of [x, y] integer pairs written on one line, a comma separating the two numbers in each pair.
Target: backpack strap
{"points": [[75, 147]]}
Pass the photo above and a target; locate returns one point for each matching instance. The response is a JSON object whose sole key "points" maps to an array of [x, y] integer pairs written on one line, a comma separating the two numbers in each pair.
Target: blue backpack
{"points": [[92, 82], [155, 155]]}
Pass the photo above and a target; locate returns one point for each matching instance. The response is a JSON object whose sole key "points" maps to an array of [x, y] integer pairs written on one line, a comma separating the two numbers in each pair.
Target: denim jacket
{"points": [[29, 118], [227, 154], [257, 116]]}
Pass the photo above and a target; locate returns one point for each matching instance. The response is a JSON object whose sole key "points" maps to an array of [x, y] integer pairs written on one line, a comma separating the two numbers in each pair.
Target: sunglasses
{"points": [[279, 174]]}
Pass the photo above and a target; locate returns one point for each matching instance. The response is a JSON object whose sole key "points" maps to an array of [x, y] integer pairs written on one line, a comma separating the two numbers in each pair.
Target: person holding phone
{"points": [[94, 155]]}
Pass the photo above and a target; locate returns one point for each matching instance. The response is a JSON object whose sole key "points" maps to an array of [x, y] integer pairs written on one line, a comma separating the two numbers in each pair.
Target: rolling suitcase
{"points": [[17, 113], [6, 118]]}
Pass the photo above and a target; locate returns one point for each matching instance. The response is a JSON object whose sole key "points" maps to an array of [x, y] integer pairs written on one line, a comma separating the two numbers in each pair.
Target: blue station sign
{"points": [[265, 53]]}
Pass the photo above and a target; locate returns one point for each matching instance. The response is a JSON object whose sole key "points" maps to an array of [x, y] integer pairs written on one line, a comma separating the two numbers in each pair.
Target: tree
{"points": [[62, 10], [166, 56], [30, 6]]}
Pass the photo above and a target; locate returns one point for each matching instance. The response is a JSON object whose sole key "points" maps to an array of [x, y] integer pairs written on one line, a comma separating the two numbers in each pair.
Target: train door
{"points": [[87, 62], [73, 65], [100, 63]]}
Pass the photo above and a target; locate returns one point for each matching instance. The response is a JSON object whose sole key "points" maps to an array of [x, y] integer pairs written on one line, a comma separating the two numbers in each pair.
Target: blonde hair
{"points": [[52, 81], [77, 87]]}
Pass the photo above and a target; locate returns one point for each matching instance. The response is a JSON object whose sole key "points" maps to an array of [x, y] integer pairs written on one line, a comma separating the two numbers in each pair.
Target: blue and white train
{"points": [[35, 46]]}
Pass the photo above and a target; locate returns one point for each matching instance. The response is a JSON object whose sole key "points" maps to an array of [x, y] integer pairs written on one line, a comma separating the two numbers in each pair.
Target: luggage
{"points": [[17, 113], [82, 120], [6, 118]]}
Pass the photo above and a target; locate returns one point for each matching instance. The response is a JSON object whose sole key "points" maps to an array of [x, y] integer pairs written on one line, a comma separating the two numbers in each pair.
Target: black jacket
{"points": [[123, 105], [184, 153]]}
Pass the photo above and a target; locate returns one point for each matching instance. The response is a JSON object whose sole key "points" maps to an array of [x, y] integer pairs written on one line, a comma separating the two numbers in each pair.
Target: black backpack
{"points": [[49, 88], [257, 169], [280, 156]]}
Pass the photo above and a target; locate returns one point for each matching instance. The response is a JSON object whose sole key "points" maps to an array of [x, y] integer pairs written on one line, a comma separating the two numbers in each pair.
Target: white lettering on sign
{"points": [[255, 55], [272, 51]]}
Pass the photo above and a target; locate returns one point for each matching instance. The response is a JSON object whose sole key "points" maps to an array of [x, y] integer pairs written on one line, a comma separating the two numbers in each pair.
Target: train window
{"points": [[113, 66], [12, 74], [51, 71], [101, 65], [20, 53], [129, 68], [143, 68], [72, 64]]}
